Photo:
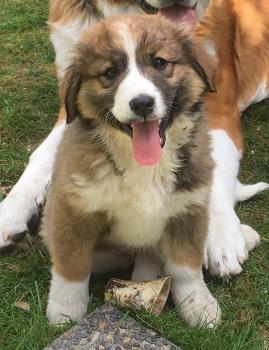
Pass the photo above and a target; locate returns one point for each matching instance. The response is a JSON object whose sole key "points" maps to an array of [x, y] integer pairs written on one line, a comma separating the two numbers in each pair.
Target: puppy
{"points": [[133, 169]]}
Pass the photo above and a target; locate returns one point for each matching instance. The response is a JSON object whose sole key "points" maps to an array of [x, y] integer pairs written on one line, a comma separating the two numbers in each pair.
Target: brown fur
{"points": [[93, 152], [239, 30], [186, 245], [64, 11]]}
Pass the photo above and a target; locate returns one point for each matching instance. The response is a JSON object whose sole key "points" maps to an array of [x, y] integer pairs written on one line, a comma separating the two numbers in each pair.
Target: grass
{"points": [[28, 105]]}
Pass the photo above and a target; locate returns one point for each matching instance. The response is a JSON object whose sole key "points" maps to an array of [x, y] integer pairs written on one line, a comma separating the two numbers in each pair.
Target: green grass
{"points": [[28, 105]]}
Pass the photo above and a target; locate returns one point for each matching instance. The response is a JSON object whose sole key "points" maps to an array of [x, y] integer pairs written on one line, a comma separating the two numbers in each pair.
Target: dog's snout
{"points": [[187, 3], [142, 105]]}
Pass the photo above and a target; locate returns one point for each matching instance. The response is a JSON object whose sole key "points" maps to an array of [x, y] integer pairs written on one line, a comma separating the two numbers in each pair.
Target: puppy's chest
{"points": [[137, 204]]}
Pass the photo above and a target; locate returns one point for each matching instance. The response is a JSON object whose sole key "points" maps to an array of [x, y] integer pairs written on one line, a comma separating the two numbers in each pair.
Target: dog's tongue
{"points": [[178, 13], [146, 143]]}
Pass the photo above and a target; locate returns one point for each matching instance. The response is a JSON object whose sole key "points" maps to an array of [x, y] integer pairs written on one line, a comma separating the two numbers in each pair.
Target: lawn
{"points": [[29, 105]]}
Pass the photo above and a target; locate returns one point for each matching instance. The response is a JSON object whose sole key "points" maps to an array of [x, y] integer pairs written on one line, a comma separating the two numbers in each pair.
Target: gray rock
{"points": [[109, 329]]}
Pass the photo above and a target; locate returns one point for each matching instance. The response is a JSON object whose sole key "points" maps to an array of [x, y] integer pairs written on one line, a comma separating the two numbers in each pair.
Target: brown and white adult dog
{"points": [[133, 169], [236, 34]]}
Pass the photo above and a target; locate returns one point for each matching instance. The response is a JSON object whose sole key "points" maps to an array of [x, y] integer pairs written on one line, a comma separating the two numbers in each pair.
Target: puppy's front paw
{"points": [[197, 305], [200, 308], [68, 300], [62, 311]]}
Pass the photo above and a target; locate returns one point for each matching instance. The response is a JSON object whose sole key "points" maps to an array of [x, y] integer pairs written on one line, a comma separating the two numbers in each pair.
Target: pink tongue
{"points": [[146, 143], [177, 13]]}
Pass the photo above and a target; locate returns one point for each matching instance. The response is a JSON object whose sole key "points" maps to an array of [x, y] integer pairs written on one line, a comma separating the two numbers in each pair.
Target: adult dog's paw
{"points": [[226, 247]]}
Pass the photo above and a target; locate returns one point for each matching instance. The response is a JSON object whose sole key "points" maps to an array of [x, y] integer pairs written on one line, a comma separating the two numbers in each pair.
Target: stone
{"points": [[109, 328]]}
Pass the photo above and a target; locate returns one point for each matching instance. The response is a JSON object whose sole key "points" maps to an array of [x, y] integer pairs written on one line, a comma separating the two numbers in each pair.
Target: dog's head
{"points": [[177, 10], [137, 74]]}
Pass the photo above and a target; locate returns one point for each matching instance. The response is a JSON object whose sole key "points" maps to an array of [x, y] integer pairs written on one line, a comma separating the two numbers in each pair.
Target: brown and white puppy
{"points": [[134, 168], [235, 33]]}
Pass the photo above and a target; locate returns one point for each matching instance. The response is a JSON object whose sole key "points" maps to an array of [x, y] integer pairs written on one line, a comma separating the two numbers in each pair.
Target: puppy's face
{"points": [[137, 74]]}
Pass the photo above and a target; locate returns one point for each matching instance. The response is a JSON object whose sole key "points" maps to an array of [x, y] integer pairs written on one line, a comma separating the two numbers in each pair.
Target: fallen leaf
{"points": [[14, 268], [22, 305]]}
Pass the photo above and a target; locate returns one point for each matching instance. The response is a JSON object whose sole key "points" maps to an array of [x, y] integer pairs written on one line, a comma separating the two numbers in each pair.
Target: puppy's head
{"points": [[136, 74]]}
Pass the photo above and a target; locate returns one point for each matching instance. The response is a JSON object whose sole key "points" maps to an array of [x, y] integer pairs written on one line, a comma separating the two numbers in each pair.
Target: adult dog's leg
{"points": [[26, 197], [227, 242]]}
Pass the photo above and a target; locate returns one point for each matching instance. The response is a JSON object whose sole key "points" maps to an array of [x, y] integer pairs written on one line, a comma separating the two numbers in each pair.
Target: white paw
{"points": [[201, 309], [28, 194], [68, 300], [197, 305], [252, 237], [63, 310], [14, 215], [226, 247]]}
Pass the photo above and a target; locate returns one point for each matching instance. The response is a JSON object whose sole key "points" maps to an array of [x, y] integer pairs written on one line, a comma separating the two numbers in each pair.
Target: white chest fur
{"points": [[138, 203]]}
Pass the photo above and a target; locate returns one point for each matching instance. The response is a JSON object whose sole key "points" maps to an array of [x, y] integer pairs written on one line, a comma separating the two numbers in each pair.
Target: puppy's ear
{"points": [[69, 92], [204, 65]]}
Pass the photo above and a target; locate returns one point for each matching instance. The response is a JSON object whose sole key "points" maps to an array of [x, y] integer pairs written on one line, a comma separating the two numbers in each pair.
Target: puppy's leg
{"points": [[26, 197], [183, 246], [147, 266], [70, 240], [68, 298]]}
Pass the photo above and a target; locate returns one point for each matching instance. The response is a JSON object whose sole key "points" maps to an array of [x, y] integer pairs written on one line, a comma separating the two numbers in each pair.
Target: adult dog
{"points": [[236, 34]]}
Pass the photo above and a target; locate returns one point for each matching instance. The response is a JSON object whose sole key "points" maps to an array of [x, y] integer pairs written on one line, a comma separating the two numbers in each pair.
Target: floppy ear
{"points": [[203, 64], [69, 92]]}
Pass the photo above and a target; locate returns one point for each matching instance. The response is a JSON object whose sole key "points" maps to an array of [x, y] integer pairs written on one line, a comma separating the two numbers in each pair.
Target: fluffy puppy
{"points": [[133, 169]]}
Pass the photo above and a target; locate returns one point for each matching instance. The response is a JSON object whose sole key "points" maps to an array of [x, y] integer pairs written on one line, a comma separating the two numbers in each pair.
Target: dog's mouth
{"points": [[179, 13], [148, 137], [175, 10]]}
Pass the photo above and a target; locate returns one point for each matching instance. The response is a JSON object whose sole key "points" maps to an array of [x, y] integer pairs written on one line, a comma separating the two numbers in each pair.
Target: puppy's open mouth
{"points": [[148, 138]]}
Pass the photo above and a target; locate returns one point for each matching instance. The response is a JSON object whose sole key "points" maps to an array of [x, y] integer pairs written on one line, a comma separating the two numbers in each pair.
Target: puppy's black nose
{"points": [[142, 105]]}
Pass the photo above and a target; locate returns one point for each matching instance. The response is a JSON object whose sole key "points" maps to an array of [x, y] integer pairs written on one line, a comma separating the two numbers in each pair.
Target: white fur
{"points": [[201, 8], [260, 94], [64, 38], [109, 10], [210, 48], [140, 207], [133, 85], [225, 245], [251, 236], [23, 200], [67, 300], [244, 192], [228, 242], [191, 295]]}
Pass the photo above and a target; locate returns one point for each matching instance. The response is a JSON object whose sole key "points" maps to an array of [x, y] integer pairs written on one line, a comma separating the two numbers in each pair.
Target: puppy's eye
{"points": [[159, 63], [111, 73]]}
